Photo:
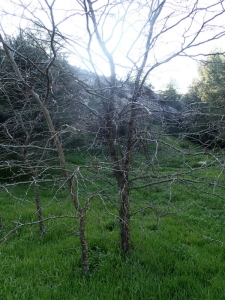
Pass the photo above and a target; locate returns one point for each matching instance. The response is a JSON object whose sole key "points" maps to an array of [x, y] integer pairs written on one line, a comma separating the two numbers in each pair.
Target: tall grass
{"points": [[178, 240]]}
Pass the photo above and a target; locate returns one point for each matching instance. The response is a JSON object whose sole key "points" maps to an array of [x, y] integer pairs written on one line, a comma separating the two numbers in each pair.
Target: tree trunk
{"points": [[83, 241], [1, 224], [125, 238], [39, 209]]}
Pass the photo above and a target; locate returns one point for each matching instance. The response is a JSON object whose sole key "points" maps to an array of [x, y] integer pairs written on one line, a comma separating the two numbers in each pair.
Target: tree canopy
{"points": [[210, 87], [205, 102]]}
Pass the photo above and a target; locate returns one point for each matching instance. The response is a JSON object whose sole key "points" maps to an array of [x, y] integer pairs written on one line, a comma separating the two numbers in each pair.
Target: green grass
{"points": [[169, 263], [178, 241]]}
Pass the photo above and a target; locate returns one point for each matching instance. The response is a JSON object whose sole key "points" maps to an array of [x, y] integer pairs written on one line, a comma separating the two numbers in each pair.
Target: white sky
{"points": [[180, 69]]}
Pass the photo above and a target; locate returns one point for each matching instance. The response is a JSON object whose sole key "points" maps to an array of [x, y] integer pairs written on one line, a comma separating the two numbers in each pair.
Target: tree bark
{"points": [[125, 236], [39, 208], [83, 241], [1, 224]]}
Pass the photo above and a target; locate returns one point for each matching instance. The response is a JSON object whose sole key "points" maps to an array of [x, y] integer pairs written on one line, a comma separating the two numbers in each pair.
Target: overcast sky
{"points": [[181, 69]]}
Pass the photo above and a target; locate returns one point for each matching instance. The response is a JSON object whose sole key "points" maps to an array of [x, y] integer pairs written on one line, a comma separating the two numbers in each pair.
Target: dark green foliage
{"points": [[57, 86], [173, 106], [205, 125], [204, 103], [171, 96], [210, 87]]}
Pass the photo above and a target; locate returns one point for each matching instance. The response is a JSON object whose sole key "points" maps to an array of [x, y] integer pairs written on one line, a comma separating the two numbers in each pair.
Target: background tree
{"points": [[210, 86], [207, 97], [171, 96]]}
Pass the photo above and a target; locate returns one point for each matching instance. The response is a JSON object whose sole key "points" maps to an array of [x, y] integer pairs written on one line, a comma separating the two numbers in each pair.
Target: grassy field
{"points": [[178, 241]]}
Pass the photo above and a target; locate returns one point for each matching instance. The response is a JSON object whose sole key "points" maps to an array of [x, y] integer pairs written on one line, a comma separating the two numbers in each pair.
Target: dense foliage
{"points": [[204, 104], [210, 87]]}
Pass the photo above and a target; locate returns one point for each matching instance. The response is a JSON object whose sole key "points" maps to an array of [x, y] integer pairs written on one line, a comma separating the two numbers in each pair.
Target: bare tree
{"points": [[121, 43], [23, 84], [158, 20]]}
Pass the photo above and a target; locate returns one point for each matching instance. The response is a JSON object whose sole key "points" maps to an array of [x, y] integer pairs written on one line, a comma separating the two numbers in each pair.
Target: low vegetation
{"points": [[177, 236]]}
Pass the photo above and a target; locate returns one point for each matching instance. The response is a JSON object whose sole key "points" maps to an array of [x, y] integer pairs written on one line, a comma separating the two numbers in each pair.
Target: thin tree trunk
{"points": [[39, 208], [83, 241], [1, 224], [125, 237]]}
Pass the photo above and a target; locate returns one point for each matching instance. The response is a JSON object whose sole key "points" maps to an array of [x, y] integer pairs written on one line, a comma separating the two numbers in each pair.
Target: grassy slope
{"points": [[169, 261]]}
